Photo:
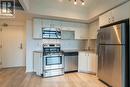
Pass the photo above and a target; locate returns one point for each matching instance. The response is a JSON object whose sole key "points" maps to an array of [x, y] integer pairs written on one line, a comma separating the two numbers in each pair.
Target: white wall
{"points": [[73, 44]]}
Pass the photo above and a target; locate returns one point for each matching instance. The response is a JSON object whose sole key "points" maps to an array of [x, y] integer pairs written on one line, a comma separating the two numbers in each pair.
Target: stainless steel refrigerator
{"points": [[113, 54]]}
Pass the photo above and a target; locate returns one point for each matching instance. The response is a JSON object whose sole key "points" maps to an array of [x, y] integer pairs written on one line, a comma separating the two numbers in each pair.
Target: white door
{"points": [[13, 47]]}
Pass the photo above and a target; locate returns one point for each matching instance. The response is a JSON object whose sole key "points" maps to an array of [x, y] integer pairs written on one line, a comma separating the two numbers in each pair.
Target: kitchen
{"points": [[60, 45], [65, 38]]}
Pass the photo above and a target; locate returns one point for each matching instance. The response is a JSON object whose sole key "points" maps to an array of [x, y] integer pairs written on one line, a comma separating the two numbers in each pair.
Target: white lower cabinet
{"points": [[37, 63], [87, 62], [92, 63], [82, 62]]}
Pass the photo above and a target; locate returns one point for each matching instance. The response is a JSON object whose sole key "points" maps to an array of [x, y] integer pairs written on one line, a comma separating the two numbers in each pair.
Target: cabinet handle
{"points": [[109, 20], [21, 46], [112, 18], [40, 35]]}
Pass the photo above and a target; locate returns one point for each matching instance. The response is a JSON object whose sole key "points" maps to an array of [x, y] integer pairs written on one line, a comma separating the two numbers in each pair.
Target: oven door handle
{"points": [[53, 56]]}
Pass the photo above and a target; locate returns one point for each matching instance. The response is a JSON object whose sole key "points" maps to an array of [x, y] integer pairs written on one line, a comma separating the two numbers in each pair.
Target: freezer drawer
{"points": [[55, 72]]}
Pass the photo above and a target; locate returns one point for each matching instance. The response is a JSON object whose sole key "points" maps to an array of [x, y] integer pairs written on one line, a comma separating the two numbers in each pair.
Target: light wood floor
{"points": [[16, 77]]}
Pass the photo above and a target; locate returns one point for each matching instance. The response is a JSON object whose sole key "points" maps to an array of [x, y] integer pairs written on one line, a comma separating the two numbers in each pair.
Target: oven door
{"points": [[53, 62]]}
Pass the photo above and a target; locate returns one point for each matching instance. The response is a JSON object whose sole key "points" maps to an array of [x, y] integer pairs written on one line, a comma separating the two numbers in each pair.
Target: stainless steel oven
{"points": [[53, 60]]}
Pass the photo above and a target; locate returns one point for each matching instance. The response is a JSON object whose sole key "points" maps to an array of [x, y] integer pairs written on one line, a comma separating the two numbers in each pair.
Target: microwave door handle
{"points": [[56, 34]]}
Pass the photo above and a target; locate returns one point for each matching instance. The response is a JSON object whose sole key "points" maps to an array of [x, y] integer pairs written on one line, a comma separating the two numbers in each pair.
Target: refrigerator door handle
{"points": [[97, 51]]}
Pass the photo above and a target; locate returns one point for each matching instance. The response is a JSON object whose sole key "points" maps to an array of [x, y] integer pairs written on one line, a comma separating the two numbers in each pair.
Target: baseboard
{"points": [[13, 67], [92, 73]]}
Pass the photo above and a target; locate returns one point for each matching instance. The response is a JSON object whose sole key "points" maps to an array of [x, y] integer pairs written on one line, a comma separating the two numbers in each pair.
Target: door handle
{"points": [[21, 46]]}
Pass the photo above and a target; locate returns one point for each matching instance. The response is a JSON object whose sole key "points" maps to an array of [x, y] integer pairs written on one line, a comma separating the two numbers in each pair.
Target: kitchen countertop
{"points": [[91, 51], [82, 50], [70, 50], [38, 51]]}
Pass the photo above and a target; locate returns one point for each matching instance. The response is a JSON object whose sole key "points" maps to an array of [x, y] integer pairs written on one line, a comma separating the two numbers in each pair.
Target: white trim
{"points": [[26, 8]]}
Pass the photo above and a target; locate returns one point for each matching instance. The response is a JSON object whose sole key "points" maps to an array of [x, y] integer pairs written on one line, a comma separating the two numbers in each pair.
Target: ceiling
{"points": [[66, 10]]}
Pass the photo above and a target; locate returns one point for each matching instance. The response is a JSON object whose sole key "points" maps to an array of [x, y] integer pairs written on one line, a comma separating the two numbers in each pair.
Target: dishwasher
{"points": [[71, 61]]}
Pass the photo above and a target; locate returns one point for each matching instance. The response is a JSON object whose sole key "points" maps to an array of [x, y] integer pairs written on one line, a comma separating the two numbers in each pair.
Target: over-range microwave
{"points": [[51, 33]]}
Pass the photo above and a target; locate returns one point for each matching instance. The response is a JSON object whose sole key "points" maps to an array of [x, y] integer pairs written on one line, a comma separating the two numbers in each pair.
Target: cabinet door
{"points": [[57, 24], [93, 27], [82, 62], [89, 63], [121, 12], [37, 63], [105, 18], [81, 31], [95, 62], [92, 63], [67, 35], [37, 28], [47, 23], [67, 26]]}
